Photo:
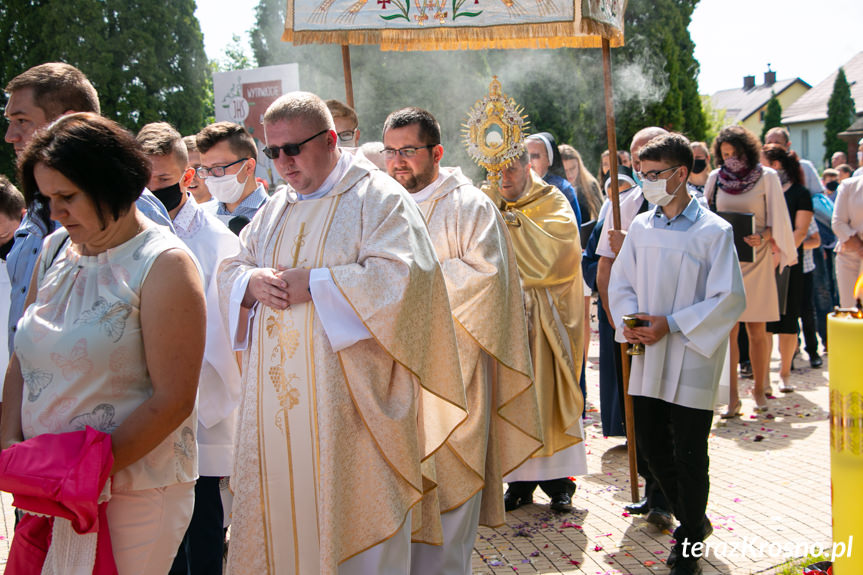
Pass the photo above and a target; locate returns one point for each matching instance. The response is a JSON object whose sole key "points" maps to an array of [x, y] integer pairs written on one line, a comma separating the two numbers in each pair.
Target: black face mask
{"points": [[170, 196], [699, 166], [6, 248], [831, 186]]}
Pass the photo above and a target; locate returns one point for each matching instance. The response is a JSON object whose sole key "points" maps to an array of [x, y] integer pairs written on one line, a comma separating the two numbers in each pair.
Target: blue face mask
{"points": [[636, 178]]}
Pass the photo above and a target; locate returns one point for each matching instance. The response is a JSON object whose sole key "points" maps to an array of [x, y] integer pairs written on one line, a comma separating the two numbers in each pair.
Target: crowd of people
{"points": [[346, 370]]}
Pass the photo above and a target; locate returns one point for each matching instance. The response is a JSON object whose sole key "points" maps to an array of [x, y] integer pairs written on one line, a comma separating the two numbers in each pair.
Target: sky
{"points": [[733, 38]]}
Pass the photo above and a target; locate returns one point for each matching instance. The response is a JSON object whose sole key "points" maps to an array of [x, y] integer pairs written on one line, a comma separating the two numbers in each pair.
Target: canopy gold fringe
{"points": [[547, 35], [603, 30]]}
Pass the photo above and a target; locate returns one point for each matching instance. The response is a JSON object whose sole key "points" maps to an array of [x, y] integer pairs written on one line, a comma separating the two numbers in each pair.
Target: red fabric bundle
{"points": [[61, 475]]}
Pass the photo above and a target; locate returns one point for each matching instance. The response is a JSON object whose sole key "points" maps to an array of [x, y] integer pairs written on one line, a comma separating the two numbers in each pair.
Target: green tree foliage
{"points": [[715, 118], [658, 43], [841, 112], [236, 56], [560, 90], [145, 57], [772, 115]]}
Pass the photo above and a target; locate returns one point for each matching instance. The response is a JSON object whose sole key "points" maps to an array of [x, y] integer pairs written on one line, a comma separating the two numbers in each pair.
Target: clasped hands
{"points": [[278, 288], [656, 329]]}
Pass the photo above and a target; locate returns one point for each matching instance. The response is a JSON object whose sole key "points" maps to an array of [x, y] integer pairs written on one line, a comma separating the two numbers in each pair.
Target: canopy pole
{"points": [[629, 416], [349, 84]]}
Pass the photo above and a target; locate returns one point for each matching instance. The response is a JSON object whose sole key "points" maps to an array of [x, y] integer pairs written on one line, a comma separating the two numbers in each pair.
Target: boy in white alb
{"points": [[678, 268], [202, 548]]}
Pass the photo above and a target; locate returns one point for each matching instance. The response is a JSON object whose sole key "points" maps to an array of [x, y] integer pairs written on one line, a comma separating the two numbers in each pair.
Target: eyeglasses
{"points": [[216, 171], [653, 175], [406, 152], [347, 135], [272, 152]]}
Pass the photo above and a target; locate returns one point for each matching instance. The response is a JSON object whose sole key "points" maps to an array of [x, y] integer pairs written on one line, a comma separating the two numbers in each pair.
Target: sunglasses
{"points": [[272, 152]]}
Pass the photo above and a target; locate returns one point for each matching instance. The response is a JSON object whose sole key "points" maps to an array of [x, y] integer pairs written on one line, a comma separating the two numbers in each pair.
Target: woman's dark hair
{"points": [[96, 154], [788, 160], [744, 142]]}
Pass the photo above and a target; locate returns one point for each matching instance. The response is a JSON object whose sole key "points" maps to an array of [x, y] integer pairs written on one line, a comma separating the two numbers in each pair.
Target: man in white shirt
{"points": [[202, 548], [632, 203], [780, 136]]}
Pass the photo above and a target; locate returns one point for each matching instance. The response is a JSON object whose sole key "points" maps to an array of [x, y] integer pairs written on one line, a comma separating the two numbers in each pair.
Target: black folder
{"points": [[744, 225]]}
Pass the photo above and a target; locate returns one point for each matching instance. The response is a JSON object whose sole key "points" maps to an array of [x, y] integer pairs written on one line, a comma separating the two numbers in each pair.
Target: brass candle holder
{"points": [[635, 320]]}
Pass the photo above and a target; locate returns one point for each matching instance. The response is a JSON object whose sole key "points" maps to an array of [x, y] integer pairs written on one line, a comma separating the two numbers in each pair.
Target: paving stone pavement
{"points": [[770, 492]]}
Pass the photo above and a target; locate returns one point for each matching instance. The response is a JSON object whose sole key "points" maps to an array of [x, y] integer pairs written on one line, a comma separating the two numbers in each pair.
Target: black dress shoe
{"points": [[561, 502], [513, 501], [815, 361], [661, 518], [686, 567], [674, 554], [637, 508]]}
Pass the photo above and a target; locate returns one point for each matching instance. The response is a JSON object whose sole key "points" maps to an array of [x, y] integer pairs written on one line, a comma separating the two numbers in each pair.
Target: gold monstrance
{"points": [[494, 131]]}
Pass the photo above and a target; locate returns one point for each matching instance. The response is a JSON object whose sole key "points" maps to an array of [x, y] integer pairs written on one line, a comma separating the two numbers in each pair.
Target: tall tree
{"points": [[658, 45], [772, 115], [841, 111], [145, 57], [236, 56]]}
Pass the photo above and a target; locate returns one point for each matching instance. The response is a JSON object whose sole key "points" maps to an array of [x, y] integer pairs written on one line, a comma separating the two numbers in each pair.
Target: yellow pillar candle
{"points": [[845, 334]]}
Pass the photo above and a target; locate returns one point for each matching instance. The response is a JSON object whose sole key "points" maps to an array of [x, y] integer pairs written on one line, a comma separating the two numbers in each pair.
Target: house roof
{"points": [[812, 106], [740, 103], [854, 129]]}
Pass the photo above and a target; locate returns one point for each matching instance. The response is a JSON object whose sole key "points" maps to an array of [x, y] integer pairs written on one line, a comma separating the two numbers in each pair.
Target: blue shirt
{"points": [[28, 244], [149, 205], [564, 186], [248, 207], [679, 223]]}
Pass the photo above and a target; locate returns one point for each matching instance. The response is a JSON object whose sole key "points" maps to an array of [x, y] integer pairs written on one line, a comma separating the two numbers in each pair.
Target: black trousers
{"points": [[203, 547], [743, 343], [655, 497], [673, 439], [807, 315], [551, 487]]}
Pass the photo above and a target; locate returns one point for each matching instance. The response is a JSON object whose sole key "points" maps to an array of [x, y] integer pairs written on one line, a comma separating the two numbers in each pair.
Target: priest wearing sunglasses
{"points": [[352, 375]]}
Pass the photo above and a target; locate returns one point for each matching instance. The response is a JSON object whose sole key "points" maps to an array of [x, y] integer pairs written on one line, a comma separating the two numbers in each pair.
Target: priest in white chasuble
{"points": [[482, 280], [350, 364], [545, 235]]}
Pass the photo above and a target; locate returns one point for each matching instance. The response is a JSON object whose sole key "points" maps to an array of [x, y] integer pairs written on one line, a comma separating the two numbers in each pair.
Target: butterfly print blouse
{"points": [[82, 354]]}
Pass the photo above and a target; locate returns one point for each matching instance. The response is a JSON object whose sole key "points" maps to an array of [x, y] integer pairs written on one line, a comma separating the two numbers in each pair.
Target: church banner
{"points": [[456, 24], [242, 97]]}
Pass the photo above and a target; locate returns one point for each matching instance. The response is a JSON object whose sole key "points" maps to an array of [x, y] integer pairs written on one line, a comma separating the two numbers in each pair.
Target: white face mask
{"points": [[655, 192], [227, 189]]}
